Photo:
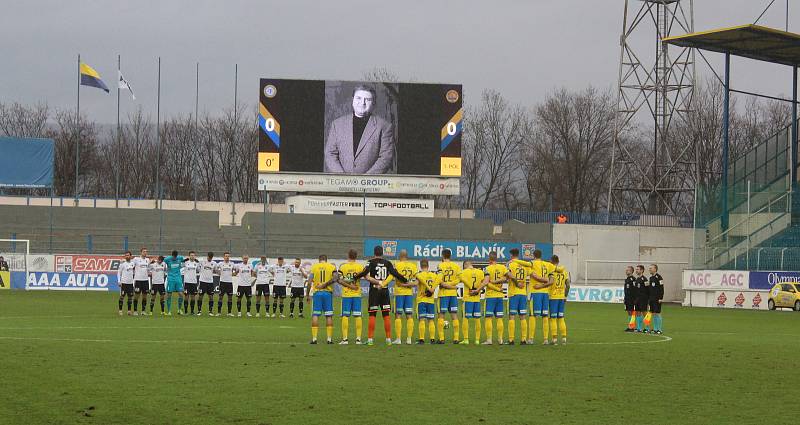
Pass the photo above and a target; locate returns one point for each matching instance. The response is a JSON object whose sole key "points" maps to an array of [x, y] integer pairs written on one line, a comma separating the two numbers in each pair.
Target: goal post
{"points": [[16, 253]]}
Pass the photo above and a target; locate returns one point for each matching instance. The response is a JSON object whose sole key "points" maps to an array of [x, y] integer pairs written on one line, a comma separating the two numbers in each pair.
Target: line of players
{"points": [[538, 283], [642, 295], [192, 279]]}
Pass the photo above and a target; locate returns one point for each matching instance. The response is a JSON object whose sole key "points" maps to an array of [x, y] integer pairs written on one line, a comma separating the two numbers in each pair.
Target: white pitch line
{"points": [[664, 338]]}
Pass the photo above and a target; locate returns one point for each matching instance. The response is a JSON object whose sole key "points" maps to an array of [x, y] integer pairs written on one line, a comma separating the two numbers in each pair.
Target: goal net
{"points": [[15, 262]]}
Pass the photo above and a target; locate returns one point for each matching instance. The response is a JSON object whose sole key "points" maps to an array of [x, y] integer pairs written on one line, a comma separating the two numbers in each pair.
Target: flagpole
{"points": [[116, 188], [78, 130], [196, 111], [158, 135]]}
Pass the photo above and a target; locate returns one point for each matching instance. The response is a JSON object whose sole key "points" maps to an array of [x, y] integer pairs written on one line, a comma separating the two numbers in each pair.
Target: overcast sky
{"points": [[523, 49]]}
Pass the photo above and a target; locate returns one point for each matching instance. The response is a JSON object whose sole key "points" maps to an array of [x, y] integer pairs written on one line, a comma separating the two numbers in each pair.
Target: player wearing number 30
{"points": [[449, 277], [404, 297], [323, 275]]}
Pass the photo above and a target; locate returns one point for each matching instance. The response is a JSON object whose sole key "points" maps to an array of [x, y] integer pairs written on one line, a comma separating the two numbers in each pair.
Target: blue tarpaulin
{"points": [[26, 163]]}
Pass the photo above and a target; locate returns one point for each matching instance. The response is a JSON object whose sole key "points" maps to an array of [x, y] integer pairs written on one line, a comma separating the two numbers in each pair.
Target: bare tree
{"points": [[19, 120]]}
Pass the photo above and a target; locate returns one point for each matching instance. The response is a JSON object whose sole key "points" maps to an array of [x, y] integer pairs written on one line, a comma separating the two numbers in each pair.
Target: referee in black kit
{"points": [[631, 294], [642, 298], [377, 271]]}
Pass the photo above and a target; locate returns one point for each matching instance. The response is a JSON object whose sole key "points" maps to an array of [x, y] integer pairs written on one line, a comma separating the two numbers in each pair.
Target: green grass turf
{"points": [[68, 358]]}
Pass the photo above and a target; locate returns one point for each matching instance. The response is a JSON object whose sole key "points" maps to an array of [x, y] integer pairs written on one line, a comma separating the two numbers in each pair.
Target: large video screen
{"points": [[354, 128]]}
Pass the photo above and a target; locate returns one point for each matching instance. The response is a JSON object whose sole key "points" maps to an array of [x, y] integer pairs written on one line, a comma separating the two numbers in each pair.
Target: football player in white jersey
{"points": [[190, 271], [206, 278], [141, 281], [262, 273], [244, 272], [280, 276], [158, 274], [125, 281], [298, 277], [225, 270]]}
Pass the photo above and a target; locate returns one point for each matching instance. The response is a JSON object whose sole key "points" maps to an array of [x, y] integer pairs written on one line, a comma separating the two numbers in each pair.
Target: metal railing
{"points": [[629, 219]]}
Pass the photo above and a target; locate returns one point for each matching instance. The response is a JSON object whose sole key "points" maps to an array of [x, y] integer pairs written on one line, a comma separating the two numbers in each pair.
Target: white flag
{"points": [[123, 84]]}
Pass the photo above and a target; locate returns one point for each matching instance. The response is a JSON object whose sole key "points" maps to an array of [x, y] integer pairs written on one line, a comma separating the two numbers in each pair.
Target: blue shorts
{"points": [[541, 304], [557, 308], [449, 303], [322, 304], [174, 284], [494, 307], [351, 306], [403, 304], [426, 311], [472, 309], [518, 304]]}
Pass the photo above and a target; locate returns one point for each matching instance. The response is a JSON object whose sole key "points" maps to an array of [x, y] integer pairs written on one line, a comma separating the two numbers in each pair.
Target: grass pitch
{"points": [[68, 358]]}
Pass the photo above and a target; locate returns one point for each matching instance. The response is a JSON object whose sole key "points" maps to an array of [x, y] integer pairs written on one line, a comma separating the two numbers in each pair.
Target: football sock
{"points": [[440, 328], [314, 332], [162, 305], [210, 305], [169, 302], [456, 330], [300, 305], [345, 327], [129, 304], [135, 305], [422, 329], [554, 328], [219, 306], [657, 321], [258, 307], [477, 329], [230, 305], [562, 324], [387, 326], [144, 301], [120, 304], [329, 331], [183, 302], [152, 303], [274, 305], [489, 329], [410, 327], [359, 327], [249, 303], [191, 305], [431, 329], [465, 328], [371, 326], [291, 305], [523, 327], [512, 329], [280, 306], [531, 327], [639, 321], [546, 327], [239, 305], [398, 326], [500, 329]]}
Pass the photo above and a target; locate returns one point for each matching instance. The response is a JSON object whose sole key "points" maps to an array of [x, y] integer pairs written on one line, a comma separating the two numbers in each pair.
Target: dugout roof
{"points": [[749, 41]]}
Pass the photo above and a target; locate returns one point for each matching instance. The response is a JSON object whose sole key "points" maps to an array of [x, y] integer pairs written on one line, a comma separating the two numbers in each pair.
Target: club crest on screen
{"points": [[452, 96], [270, 91]]}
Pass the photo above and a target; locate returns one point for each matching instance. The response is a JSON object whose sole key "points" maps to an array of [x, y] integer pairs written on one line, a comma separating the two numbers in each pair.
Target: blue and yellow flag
{"points": [[90, 77]]}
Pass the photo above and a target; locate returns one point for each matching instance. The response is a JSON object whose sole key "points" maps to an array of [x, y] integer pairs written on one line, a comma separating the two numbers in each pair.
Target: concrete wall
{"points": [[618, 246]]}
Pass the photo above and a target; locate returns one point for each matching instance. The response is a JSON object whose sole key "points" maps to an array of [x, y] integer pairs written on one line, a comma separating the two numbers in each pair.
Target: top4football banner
{"points": [[350, 136]]}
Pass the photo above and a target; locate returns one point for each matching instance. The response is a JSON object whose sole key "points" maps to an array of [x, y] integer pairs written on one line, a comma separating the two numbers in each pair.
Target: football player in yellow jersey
{"points": [[517, 297], [472, 279], [404, 297], [449, 277], [539, 294], [426, 309], [558, 298], [323, 276], [351, 296], [496, 276]]}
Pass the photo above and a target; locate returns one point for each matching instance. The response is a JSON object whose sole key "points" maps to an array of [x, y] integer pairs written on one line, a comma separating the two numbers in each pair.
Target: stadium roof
{"points": [[749, 41]]}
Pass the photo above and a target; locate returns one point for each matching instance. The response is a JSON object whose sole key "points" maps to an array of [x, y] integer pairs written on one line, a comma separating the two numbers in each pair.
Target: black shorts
{"points": [[158, 288], [641, 305], [207, 288], [298, 292], [190, 288], [262, 289], [280, 291], [630, 306], [226, 288], [655, 306], [244, 291], [141, 286], [379, 300], [126, 289]]}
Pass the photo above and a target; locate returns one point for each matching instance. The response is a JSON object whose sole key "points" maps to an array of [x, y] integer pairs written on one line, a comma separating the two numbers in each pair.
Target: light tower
{"points": [[655, 89]]}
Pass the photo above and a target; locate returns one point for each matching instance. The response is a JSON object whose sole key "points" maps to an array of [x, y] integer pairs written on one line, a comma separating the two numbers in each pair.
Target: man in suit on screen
{"points": [[361, 142]]}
